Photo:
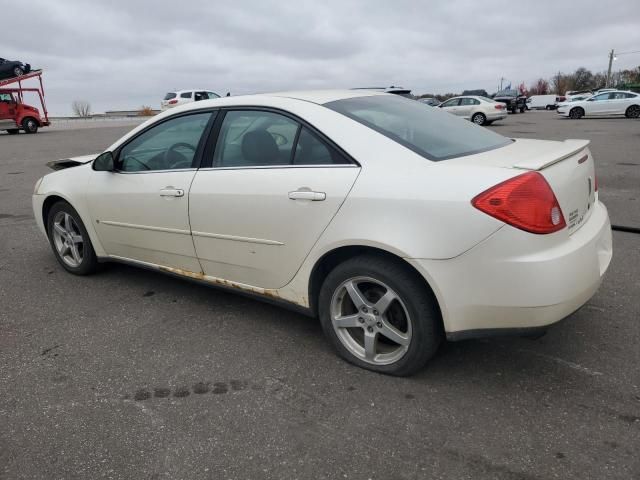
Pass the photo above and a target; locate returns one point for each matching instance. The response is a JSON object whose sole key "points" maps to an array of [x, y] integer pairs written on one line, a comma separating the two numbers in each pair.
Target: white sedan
{"points": [[396, 224], [480, 110], [603, 104]]}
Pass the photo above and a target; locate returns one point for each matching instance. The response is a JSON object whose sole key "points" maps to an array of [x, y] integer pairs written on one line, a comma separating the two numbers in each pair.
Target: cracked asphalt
{"points": [[133, 374]]}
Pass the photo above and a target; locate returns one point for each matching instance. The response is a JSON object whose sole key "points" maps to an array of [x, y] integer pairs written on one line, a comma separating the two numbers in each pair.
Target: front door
{"points": [[7, 110], [141, 210], [273, 189]]}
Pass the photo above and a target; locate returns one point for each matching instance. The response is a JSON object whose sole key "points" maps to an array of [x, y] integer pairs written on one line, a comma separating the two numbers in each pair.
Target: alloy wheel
{"points": [[371, 321], [67, 239]]}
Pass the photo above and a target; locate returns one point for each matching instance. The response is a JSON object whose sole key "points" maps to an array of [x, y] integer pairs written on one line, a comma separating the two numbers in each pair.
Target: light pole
{"points": [[612, 56]]}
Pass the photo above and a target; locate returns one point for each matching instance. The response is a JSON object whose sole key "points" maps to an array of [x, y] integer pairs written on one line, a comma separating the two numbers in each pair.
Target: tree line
{"points": [[581, 79]]}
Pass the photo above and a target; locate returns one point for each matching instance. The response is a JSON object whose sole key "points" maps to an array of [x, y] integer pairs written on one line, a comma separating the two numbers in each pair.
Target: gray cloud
{"points": [[123, 54]]}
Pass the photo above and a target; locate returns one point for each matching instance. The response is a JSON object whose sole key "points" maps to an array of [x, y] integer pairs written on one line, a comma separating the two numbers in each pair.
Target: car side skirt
{"points": [[270, 296]]}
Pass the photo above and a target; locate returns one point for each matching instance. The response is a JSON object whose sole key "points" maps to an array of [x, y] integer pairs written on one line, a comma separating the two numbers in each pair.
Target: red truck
{"points": [[15, 115]]}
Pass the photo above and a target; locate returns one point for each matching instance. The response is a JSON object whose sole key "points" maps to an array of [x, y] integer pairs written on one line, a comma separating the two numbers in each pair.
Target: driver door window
{"points": [[172, 145]]}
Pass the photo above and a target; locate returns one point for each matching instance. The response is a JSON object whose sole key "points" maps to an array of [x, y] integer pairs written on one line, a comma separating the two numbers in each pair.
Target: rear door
{"points": [[271, 188], [465, 107]]}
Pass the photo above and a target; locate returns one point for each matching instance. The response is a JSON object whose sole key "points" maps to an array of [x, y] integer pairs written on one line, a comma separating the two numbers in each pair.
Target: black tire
{"points": [[18, 71], [419, 301], [633, 112], [12, 131], [522, 109], [514, 110], [479, 118], [89, 262], [30, 125], [576, 113]]}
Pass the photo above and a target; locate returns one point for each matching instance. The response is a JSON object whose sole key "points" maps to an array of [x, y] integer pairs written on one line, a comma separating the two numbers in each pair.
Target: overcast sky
{"points": [[124, 54]]}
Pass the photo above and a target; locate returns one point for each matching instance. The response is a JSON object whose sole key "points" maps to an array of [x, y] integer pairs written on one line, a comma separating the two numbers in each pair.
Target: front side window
{"points": [[170, 145], [430, 132], [212, 95], [451, 103], [6, 97]]}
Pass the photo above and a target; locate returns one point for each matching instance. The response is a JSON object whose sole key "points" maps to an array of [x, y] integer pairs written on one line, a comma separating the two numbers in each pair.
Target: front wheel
{"points": [[69, 240], [479, 118], [30, 125], [522, 109], [633, 111], [380, 315]]}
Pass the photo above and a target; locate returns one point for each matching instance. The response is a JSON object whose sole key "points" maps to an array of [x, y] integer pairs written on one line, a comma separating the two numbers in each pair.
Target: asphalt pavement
{"points": [[130, 374]]}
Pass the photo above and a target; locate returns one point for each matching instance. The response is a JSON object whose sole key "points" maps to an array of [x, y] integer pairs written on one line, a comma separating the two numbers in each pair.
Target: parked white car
{"points": [[603, 104], [394, 223], [480, 110], [542, 102], [180, 97]]}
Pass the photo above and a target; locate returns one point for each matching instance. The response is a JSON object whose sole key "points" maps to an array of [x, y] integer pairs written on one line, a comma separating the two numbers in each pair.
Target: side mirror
{"points": [[104, 163]]}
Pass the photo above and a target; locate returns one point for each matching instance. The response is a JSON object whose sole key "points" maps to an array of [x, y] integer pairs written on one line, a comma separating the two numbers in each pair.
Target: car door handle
{"points": [[171, 192], [307, 195]]}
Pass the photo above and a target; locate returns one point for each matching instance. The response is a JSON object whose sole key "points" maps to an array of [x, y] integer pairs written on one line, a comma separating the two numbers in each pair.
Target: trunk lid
{"points": [[567, 166]]}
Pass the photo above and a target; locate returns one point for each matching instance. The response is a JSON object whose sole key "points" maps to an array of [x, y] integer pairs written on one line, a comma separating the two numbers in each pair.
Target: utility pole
{"points": [[611, 57], [501, 80]]}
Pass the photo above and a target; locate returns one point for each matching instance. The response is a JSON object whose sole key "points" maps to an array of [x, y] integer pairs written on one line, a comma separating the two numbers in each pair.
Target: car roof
{"points": [[324, 96]]}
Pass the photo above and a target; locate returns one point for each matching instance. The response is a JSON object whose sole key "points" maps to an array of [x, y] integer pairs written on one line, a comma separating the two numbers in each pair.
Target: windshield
{"points": [[430, 132]]}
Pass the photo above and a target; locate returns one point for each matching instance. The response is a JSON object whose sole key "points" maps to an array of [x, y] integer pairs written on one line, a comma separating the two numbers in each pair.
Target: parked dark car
{"points": [[432, 102], [512, 99], [13, 68]]}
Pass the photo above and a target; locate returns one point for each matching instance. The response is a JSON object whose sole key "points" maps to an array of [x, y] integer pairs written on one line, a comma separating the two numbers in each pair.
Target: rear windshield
{"points": [[169, 96], [430, 132]]}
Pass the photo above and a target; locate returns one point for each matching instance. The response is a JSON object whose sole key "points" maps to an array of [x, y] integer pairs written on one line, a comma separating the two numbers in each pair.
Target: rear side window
{"points": [[186, 95], [430, 132], [254, 138], [310, 150], [170, 95]]}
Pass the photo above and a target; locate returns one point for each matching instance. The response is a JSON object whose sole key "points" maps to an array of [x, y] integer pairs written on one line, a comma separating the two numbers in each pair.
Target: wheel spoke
{"points": [[394, 334], [347, 321], [67, 223], [76, 238], [355, 295], [383, 304], [370, 341], [75, 253], [59, 228]]}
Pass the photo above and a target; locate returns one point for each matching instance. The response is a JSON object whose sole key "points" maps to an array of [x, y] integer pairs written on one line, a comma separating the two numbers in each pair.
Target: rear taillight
{"points": [[499, 107], [173, 102], [525, 202]]}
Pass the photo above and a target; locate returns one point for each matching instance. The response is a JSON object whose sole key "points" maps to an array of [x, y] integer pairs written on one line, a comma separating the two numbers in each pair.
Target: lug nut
{"points": [[361, 320], [375, 312], [369, 329], [364, 309], [379, 324]]}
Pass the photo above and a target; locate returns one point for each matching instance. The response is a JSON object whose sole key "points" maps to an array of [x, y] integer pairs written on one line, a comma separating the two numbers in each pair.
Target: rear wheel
{"points": [[17, 71], [13, 131], [479, 118], [69, 240], [522, 109], [633, 111], [380, 315], [576, 113], [30, 125]]}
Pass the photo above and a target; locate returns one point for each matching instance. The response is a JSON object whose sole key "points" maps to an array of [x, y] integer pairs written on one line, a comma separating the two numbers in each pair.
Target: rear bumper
{"points": [[518, 282], [497, 116]]}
